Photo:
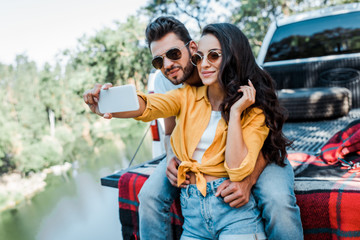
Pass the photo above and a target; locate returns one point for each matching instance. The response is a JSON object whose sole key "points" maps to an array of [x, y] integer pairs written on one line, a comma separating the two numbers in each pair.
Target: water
{"points": [[74, 205]]}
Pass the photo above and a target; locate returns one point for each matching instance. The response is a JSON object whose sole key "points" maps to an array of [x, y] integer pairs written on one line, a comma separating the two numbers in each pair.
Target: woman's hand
{"points": [[247, 99], [91, 98]]}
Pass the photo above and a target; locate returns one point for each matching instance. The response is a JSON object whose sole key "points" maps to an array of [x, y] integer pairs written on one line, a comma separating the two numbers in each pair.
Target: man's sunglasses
{"points": [[172, 54], [211, 57]]}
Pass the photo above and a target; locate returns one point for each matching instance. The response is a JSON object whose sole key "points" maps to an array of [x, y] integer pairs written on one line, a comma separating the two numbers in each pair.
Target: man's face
{"points": [[177, 71]]}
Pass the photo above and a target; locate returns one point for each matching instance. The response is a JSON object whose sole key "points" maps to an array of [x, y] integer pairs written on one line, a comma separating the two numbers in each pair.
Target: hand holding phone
{"points": [[118, 99]]}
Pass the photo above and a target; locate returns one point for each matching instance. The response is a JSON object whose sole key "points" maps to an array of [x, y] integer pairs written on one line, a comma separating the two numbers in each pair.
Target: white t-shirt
{"points": [[162, 84], [208, 136]]}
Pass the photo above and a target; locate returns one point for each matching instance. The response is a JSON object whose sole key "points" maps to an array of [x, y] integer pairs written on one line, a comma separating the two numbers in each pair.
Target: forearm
{"points": [[236, 149], [132, 114], [169, 127], [259, 167], [169, 152]]}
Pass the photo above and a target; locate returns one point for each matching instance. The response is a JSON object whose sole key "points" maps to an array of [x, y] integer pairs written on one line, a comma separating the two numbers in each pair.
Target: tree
{"points": [[44, 119], [118, 56], [194, 13]]}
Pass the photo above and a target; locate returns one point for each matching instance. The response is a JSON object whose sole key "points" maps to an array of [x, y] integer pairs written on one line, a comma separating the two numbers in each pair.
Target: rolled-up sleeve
{"points": [[160, 105], [255, 133]]}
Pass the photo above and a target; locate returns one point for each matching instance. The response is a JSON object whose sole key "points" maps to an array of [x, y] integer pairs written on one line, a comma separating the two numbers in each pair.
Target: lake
{"points": [[74, 205]]}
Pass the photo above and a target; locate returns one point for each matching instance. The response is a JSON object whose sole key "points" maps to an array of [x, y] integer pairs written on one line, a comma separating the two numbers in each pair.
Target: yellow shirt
{"points": [[192, 109]]}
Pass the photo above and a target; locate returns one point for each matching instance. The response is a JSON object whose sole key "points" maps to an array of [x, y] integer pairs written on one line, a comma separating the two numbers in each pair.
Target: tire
{"points": [[315, 103], [343, 77]]}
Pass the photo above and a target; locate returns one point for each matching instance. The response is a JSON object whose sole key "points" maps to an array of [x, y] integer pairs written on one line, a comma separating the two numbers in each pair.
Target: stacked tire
{"points": [[315, 103], [343, 77]]}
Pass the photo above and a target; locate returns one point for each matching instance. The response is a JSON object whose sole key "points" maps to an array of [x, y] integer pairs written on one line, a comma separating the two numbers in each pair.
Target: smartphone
{"points": [[118, 99]]}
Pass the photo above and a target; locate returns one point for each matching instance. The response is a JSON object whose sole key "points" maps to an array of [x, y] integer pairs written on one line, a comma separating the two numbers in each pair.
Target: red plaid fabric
{"points": [[130, 184], [342, 144], [328, 197]]}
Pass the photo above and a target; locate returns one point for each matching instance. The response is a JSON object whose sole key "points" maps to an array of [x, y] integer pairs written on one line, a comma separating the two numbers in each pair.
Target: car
{"points": [[317, 49]]}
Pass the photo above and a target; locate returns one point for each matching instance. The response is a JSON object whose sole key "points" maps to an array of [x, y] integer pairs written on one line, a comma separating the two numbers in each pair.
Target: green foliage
{"points": [[39, 155], [194, 13], [118, 56], [44, 119]]}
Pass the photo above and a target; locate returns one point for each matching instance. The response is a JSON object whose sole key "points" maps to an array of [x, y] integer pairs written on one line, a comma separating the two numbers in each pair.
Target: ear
{"points": [[193, 47]]}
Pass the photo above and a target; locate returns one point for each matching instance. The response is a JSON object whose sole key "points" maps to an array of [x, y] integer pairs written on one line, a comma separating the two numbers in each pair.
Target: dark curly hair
{"points": [[164, 25], [237, 66]]}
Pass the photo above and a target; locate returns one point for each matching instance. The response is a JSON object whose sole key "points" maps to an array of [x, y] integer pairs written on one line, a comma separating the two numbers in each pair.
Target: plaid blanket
{"points": [[342, 145], [130, 184], [328, 197]]}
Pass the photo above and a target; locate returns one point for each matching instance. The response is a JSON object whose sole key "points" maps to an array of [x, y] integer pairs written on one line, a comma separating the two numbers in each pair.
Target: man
{"points": [[171, 47]]}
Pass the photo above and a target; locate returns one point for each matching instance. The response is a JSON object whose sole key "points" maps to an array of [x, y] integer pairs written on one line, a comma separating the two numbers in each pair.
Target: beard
{"points": [[187, 71]]}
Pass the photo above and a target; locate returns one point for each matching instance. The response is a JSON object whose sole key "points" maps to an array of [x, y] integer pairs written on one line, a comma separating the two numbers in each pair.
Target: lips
{"points": [[207, 73], [173, 72]]}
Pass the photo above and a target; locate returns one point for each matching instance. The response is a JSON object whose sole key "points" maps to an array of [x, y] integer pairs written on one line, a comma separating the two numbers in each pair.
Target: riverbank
{"points": [[15, 189]]}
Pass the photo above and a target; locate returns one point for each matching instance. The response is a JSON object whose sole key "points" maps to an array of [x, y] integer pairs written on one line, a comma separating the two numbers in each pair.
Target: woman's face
{"points": [[209, 50]]}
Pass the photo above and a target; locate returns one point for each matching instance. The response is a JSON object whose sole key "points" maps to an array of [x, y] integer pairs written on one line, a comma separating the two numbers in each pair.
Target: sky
{"points": [[42, 28]]}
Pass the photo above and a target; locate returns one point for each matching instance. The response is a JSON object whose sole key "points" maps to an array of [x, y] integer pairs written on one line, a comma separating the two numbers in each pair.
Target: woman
{"points": [[221, 129]]}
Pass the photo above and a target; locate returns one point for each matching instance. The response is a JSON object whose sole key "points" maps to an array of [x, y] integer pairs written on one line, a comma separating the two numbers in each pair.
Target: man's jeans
{"points": [[274, 193]]}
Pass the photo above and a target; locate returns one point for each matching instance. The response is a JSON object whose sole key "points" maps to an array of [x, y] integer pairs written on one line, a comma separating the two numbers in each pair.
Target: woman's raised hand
{"points": [[91, 98], [247, 99]]}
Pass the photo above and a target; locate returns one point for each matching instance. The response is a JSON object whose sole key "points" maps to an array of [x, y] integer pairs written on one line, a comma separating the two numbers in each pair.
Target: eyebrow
{"points": [[165, 52], [213, 49]]}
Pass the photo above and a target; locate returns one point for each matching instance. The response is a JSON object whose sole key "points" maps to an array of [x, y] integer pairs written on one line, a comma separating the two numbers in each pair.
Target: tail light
{"points": [[155, 130]]}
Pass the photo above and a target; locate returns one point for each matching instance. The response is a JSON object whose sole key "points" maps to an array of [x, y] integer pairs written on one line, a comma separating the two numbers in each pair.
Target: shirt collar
{"points": [[201, 92]]}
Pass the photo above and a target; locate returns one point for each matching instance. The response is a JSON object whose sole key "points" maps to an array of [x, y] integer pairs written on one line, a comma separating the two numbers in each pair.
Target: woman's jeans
{"points": [[273, 192], [210, 217]]}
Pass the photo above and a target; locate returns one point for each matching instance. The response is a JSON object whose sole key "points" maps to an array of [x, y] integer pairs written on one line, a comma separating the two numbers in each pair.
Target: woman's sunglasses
{"points": [[172, 54], [211, 57]]}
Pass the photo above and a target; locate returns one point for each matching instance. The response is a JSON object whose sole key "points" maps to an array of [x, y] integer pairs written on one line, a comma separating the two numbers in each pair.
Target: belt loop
{"points": [[212, 187], [187, 191]]}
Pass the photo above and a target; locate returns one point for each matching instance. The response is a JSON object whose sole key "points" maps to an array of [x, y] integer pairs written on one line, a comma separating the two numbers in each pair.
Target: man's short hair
{"points": [[164, 25]]}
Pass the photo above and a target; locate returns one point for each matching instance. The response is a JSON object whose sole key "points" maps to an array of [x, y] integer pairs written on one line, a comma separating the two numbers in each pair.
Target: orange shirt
{"points": [[192, 109]]}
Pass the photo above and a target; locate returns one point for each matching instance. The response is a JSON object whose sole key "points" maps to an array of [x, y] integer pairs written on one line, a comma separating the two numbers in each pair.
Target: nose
{"points": [[204, 62], [168, 63]]}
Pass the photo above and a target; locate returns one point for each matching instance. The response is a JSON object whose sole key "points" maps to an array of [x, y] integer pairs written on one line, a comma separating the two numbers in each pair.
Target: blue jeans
{"points": [[210, 217], [274, 193], [156, 197]]}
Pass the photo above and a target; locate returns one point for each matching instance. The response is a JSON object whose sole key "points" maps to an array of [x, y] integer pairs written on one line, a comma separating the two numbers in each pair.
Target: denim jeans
{"points": [[210, 217], [274, 193], [156, 197]]}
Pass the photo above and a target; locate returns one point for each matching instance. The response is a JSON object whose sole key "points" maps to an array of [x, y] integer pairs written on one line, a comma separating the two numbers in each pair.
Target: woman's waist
{"points": [[207, 177]]}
